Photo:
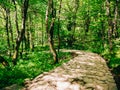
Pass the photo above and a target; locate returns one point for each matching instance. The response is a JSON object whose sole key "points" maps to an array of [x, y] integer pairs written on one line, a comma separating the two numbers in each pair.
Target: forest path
{"points": [[86, 71]]}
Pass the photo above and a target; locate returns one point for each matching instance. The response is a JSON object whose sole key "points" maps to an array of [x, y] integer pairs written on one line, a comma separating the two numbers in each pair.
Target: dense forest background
{"points": [[29, 28]]}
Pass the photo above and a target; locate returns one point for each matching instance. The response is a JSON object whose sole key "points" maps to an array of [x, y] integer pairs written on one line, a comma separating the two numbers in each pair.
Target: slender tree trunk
{"points": [[59, 27], [75, 16], [42, 39], [22, 48], [110, 25], [22, 33], [72, 23], [27, 37], [16, 17], [87, 22], [31, 34], [7, 29], [51, 43], [50, 28], [115, 19], [31, 40], [11, 32]]}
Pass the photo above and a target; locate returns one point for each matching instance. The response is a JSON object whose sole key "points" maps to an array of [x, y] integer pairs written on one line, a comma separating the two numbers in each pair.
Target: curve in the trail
{"points": [[87, 71]]}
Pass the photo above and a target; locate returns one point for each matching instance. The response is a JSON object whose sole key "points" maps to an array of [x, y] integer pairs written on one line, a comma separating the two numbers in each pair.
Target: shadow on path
{"points": [[86, 71]]}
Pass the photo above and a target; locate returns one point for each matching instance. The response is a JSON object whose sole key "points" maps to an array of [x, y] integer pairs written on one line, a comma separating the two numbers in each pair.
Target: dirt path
{"points": [[87, 71]]}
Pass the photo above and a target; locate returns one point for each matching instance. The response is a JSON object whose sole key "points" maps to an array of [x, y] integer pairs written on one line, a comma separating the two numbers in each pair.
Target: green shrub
{"points": [[29, 67]]}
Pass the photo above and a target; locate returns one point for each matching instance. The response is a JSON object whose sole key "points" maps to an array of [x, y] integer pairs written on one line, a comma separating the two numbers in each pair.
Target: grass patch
{"points": [[30, 66]]}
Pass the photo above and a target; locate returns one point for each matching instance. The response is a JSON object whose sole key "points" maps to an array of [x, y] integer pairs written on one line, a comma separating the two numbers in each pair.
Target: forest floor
{"points": [[86, 71]]}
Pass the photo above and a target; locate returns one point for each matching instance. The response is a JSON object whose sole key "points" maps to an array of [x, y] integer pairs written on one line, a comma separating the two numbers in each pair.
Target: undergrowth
{"points": [[30, 66]]}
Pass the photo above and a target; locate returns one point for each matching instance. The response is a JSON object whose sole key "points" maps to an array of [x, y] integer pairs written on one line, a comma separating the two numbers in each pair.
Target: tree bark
{"points": [[42, 39], [72, 23], [110, 25], [7, 29], [87, 22], [22, 33], [59, 27], [31, 34], [115, 19], [50, 18], [11, 33], [16, 18]]}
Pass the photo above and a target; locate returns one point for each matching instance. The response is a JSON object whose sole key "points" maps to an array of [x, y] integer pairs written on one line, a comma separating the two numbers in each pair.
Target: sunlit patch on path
{"points": [[87, 71]]}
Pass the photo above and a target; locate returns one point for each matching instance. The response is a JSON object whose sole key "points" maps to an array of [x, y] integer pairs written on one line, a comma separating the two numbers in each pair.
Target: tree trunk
{"points": [[87, 22], [72, 23], [59, 27], [110, 25], [31, 34], [11, 33], [22, 33], [31, 40], [115, 19], [50, 28], [42, 39], [16, 18], [51, 43], [27, 37], [7, 29]]}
